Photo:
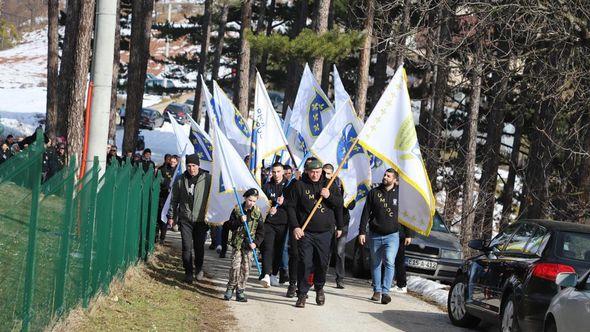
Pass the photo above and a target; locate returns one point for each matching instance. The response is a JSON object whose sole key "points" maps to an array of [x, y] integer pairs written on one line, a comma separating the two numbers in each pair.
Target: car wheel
{"points": [[358, 268], [456, 304], [509, 321]]}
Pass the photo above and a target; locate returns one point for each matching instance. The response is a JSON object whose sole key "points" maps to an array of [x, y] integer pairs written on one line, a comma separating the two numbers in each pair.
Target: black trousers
{"points": [[272, 248], [193, 246], [314, 256], [400, 264], [161, 227], [338, 246], [224, 237], [293, 258]]}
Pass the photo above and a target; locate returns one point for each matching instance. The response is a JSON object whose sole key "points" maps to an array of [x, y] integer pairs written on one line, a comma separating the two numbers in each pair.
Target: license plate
{"points": [[421, 264]]}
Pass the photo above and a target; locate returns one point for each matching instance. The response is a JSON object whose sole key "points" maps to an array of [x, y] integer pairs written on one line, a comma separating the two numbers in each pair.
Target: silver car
{"points": [[570, 308]]}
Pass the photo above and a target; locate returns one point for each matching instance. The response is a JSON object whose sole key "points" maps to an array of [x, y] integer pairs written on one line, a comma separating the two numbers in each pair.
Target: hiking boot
{"points": [[339, 285], [300, 302], [229, 293], [385, 299], [376, 296], [222, 254], [188, 278], [320, 297], [240, 296], [265, 281], [291, 291]]}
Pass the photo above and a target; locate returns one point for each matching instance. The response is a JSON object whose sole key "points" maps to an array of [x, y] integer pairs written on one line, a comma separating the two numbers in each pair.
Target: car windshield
{"points": [[438, 225], [574, 246], [147, 113], [175, 108]]}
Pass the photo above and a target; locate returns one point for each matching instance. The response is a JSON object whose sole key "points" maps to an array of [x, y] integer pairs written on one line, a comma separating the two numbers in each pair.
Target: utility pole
{"points": [[102, 76]]}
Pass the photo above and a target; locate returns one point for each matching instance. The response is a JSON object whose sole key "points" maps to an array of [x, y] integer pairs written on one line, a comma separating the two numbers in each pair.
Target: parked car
{"points": [[180, 112], [276, 98], [512, 281], [190, 101], [436, 257], [150, 118], [570, 308]]}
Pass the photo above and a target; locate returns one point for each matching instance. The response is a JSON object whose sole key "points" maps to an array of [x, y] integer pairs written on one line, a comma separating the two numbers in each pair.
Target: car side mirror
{"points": [[477, 245], [567, 279]]}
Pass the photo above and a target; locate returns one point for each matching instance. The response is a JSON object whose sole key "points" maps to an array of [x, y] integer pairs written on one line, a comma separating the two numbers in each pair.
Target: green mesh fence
{"points": [[64, 241]]}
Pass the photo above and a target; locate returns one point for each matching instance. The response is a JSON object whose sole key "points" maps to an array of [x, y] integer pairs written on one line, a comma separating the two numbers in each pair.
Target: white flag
{"points": [[341, 97], [295, 143], [202, 144], [333, 144], [182, 133], [312, 110], [231, 122], [230, 179], [390, 134], [180, 168], [269, 138]]}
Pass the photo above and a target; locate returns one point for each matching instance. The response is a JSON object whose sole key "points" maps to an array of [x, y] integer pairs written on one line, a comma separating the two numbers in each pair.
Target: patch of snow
{"points": [[429, 289], [21, 110]]}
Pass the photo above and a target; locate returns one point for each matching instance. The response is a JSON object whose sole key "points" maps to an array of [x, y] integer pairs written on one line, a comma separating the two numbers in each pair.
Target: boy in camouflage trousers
{"points": [[241, 257]]}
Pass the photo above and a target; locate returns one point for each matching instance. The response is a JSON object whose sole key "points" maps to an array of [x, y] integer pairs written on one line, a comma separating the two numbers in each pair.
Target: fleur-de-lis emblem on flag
{"points": [[317, 105], [346, 139]]}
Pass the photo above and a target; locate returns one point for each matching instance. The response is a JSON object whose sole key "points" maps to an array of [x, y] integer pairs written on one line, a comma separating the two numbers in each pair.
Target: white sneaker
{"points": [[401, 290], [274, 281], [218, 249], [265, 281], [200, 276]]}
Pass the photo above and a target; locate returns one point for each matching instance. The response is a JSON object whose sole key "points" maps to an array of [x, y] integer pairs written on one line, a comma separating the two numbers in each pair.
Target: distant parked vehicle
{"points": [[436, 257], [570, 308], [180, 112], [512, 281], [150, 119], [276, 98]]}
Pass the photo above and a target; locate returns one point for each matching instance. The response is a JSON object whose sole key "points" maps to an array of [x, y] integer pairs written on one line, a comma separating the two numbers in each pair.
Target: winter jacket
{"points": [[273, 191], [239, 237], [381, 211], [55, 163], [190, 195], [145, 164], [167, 173], [303, 195]]}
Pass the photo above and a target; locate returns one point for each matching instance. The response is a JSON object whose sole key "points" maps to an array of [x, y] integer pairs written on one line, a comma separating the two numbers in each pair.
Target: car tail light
{"points": [[549, 271], [180, 113]]}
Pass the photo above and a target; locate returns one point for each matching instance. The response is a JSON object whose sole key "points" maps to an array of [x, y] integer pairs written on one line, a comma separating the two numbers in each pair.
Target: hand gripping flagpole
{"points": [[317, 204], [240, 205]]}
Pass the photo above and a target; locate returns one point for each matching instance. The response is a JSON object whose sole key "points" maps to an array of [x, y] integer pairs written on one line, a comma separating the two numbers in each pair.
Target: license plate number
{"points": [[422, 264]]}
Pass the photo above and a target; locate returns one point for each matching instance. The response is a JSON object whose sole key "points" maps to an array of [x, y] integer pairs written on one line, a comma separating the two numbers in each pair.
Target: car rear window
{"points": [[574, 246], [438, 225]]}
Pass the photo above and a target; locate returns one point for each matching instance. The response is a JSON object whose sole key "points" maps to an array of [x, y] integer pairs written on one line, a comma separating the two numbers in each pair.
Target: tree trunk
{"points": [[66, 68], [52, 66], [82, 54], [294, 69], [241, 95], [380, 76], [205, 34], [141, 27], [327, 66], [220, 40], [116, 59], [320, 26], [254, 54], [468, 211], [365, 61], [585, 181], [508, 192]]}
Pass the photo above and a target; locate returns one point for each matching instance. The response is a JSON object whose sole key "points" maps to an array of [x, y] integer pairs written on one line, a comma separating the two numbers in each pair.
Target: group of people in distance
{"points": [[292, 197]]}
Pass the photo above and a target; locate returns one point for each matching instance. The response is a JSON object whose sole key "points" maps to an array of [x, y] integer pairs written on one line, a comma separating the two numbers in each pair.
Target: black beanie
{"points": [[193, 159]]}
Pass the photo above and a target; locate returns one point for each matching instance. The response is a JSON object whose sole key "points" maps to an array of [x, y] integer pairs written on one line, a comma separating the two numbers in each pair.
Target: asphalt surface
{"points": [[346, 309]]}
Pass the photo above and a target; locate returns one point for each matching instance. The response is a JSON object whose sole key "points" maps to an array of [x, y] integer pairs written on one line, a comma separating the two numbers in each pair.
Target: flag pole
{"points": [[334, 176]]}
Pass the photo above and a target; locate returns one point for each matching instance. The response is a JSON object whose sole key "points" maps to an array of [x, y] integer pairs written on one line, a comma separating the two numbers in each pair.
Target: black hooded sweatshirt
{"points": [[302, 196], [381, 211], [273, 191]]}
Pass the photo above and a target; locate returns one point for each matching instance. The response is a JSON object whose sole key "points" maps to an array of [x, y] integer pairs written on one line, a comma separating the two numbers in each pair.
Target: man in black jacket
{"points": [[188, 204], [314, 243], [381, 214], [167, 171], [146, 160], [275, 227]]}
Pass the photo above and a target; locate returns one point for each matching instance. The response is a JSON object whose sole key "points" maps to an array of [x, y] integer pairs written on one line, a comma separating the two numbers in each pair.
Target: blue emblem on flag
{"points": [[221, 185], [375, 162], [203, 147], [361, 191], [301, 146], [239, 120], [253, 151], [344, 144], [216, 111], [316, 107]]}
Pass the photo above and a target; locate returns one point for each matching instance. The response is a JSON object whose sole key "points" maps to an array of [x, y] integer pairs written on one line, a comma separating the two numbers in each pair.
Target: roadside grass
{"points": [[152, 297]]}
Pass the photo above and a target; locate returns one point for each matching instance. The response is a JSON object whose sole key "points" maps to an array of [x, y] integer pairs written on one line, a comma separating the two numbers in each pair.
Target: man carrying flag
{"points": [[314, 243], [188, 204]]}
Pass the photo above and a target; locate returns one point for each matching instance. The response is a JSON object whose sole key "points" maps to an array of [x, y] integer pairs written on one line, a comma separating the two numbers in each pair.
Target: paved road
{"points": [[345, 310]]}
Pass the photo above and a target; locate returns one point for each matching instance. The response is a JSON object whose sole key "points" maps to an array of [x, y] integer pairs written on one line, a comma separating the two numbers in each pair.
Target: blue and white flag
{"points": [[231, 122], [202, 144], [296, 144], [312, 110], [180, 168], [355, 215], [229, 174], [341, 97]]}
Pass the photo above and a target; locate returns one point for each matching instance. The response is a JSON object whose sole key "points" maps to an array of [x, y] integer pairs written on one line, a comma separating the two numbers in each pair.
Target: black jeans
{"points": [[224, 238], [272, 248], [400, 264], [338, 246], [314, 256], [193, 239], [293, 258]]}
